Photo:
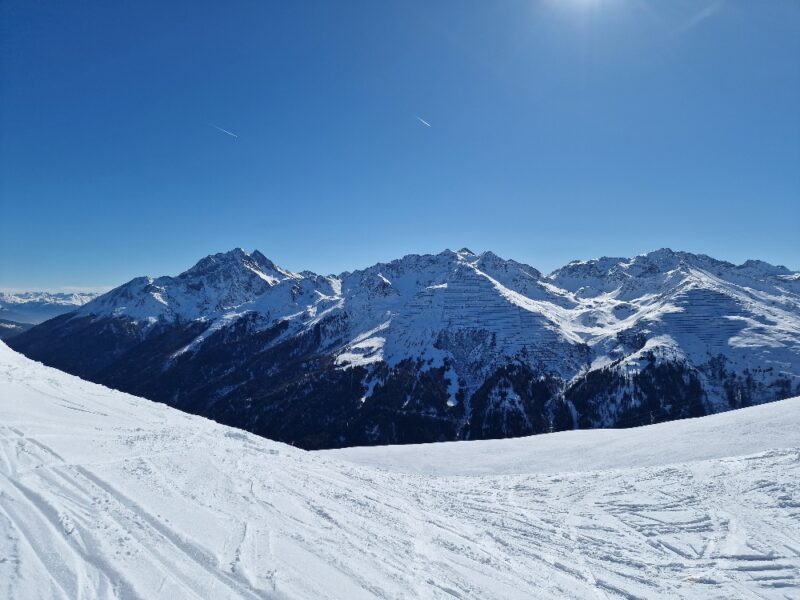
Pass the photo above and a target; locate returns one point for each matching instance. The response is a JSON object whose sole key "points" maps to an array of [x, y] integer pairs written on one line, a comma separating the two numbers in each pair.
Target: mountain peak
{"points": [[762, 267], [661, 254], [215, 284], [237, 255], [238, 259]]}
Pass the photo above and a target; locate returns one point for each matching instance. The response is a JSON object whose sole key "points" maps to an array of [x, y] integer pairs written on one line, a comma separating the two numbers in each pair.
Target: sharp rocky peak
{"points": [[237, 260]]}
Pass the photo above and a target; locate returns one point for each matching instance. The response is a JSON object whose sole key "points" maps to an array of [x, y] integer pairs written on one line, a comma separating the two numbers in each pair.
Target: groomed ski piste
{"points": [[105, 495]]}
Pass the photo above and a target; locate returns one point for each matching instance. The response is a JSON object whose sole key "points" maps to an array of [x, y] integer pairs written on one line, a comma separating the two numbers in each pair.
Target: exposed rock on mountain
{"points": [[440, 347]]}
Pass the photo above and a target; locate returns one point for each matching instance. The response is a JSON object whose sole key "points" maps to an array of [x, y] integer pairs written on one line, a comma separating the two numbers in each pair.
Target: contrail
{"points": [[230, 133], [695, 20], [423, 121]]}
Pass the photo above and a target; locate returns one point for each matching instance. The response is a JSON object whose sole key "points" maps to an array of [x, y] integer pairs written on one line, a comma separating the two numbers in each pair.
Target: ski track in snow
{"points": [[104, 495]]}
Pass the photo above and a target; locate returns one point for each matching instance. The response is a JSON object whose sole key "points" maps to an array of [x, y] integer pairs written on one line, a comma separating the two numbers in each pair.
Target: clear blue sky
{"points": [[560, 129]]}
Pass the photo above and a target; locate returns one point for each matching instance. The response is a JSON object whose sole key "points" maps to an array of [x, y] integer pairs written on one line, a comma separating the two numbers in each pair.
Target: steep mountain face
{"points": [[37, 307], [440, 347]]}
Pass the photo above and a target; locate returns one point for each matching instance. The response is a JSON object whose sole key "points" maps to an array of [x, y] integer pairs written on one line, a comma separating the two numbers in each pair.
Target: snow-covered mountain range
{"points": [[104, 495], [440, 347], [36, 307]]}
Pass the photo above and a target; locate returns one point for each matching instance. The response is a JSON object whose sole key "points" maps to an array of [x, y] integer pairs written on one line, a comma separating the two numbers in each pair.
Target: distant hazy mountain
{"points": [[9, 329], [36, 307], [440, 347]]}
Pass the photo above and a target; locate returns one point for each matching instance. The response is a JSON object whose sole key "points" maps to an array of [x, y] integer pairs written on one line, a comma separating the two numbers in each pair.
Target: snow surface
{"points": [[734, 433], [105, 495]]}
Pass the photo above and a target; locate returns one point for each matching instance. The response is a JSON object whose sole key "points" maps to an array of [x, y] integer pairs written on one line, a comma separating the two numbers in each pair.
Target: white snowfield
{"points": [[772, 426], [105, 495]]}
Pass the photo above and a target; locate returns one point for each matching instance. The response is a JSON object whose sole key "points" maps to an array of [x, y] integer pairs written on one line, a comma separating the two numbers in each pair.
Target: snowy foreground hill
{"points": [[105, 495], [440, 347]]}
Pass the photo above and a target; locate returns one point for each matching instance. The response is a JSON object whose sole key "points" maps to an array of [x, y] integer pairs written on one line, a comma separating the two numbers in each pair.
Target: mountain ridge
{"points": [[455, 345], [37, 307]]}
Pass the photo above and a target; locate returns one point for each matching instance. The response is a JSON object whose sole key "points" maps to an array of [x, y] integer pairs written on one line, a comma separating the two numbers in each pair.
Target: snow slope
{"points": [[735, 433], [106, 495]]}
